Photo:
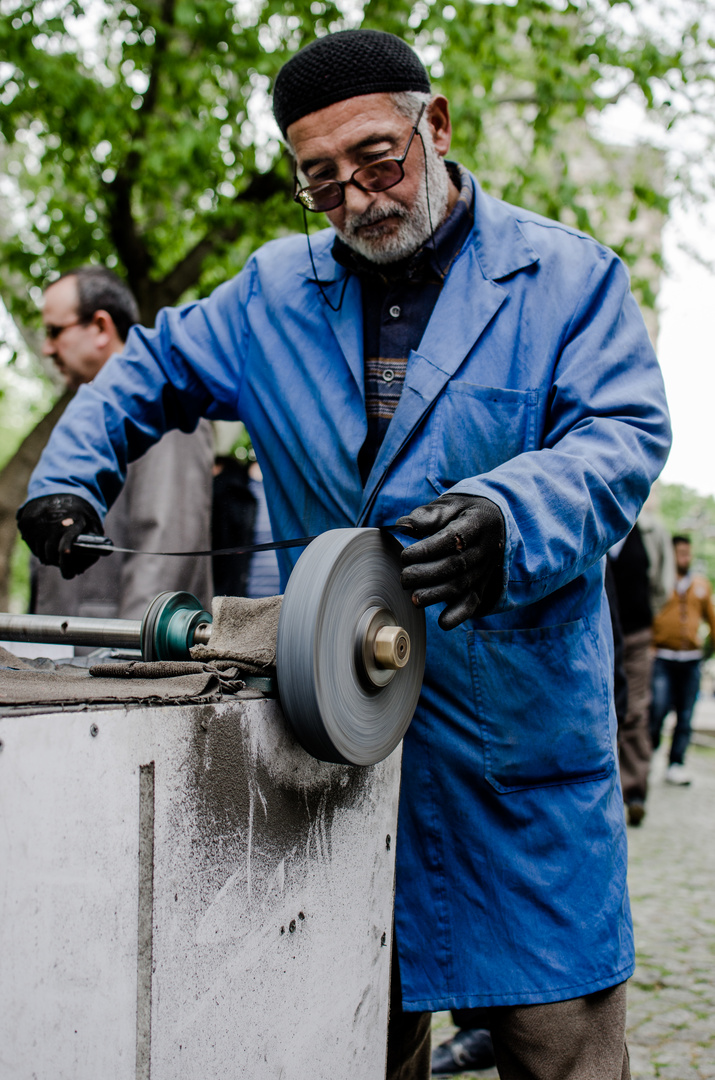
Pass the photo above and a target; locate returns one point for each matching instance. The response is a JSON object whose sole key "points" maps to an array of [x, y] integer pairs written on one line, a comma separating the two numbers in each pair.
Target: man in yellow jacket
{"points": [[678, 652]]}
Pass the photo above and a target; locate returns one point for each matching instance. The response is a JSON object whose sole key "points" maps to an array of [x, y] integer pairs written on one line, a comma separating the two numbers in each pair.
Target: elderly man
{"points": [[483, 375], [166, 501]]}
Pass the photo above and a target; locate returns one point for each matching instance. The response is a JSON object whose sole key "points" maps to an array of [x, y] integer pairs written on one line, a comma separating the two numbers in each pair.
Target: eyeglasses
{"points": [[53, 332], [377, 176]]}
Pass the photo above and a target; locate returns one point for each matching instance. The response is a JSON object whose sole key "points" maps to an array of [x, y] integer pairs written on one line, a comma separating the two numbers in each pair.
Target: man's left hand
{"points": [[461, 560]]}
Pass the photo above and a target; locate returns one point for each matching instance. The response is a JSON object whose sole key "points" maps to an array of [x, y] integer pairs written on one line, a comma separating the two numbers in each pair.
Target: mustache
{"points": [[373, 216]]}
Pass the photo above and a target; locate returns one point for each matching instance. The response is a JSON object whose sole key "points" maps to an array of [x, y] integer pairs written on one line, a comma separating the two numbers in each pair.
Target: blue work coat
{"points": [[536, 386]]}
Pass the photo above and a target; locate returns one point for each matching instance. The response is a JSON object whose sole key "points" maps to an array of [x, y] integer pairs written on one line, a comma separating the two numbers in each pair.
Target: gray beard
{"points": [[413, 226]]}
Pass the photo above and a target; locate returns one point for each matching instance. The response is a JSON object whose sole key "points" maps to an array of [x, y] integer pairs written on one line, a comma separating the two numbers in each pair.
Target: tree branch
{"points": [[127, 239], [532, 99], [261, 188], [166, 19], [130, 245]]}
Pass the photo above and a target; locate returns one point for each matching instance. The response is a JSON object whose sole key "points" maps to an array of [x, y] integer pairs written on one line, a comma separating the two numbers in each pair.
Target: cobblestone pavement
{"points": [[671, 1013], [671, 997]]}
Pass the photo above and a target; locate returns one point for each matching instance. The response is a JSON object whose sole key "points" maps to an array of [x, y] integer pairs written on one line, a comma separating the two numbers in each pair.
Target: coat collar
{"points": [[346, 322], [501, 246], [496, 249], [502, 249]]}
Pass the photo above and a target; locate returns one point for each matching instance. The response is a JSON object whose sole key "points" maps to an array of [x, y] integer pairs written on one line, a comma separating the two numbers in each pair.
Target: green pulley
{"points": [[169, 626]]}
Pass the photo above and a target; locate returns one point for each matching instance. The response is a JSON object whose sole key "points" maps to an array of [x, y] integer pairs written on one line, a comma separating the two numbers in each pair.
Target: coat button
{"points": [[395, 311], [388, 375]]}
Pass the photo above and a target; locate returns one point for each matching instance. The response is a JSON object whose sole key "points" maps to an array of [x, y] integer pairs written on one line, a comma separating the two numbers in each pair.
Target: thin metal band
{"points": [[104, 546]]}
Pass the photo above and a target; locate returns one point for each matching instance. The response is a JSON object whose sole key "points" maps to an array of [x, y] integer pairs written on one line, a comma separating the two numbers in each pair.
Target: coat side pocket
{"points": [[543, 704]]}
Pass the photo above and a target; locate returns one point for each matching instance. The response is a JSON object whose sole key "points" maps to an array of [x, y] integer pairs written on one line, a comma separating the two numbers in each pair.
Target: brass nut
{"points": [[392, 647]]}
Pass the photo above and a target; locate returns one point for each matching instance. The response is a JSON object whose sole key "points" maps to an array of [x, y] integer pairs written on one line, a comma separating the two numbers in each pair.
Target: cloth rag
{"points": [[226, 671], [67, 686], [12, 662], [244, 631]]}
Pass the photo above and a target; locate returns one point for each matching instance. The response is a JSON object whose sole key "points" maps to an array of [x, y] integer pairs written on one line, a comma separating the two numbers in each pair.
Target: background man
{"points": [[240, 518], [166, 502], [678, 652], [441, 355], [643, 573]]}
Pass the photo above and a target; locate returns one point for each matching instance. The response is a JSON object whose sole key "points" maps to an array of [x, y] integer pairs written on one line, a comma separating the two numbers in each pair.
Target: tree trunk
{"points": [[14, 479]]}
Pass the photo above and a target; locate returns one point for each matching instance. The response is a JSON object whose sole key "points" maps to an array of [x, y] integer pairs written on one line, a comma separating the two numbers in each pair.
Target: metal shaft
{"points": [[202, 634], [71, 630]]}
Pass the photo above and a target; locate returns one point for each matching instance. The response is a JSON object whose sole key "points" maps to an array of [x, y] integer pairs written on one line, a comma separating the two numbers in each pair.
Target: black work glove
{"points": [[50, 525], [461, 561]]}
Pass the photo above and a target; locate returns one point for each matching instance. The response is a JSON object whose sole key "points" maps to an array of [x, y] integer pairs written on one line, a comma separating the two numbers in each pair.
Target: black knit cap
{"points": [[345, 65]]}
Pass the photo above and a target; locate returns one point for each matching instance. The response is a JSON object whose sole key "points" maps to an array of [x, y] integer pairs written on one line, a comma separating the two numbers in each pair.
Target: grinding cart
{"points": [[198, 851]]}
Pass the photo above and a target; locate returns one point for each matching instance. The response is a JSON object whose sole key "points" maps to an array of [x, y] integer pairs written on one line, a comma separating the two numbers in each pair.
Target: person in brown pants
{"points": [[643, 574], [560, 1040], [678, 655]]}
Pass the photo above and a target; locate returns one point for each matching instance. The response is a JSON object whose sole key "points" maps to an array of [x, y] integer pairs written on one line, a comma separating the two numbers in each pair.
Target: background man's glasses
{"points": [[377, 176], [53, 332]]}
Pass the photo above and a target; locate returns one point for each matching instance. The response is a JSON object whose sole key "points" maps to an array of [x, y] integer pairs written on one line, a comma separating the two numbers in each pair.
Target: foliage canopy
{"points": [[685, 511], [138, 134]]}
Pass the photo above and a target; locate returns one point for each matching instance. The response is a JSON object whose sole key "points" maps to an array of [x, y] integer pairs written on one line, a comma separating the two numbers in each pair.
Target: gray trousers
{"points": [[580, 1039], [634, 744]]}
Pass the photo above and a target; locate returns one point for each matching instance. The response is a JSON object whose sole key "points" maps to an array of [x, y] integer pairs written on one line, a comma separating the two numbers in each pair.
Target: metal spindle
{"points": [[172, 623], [71, 630]]}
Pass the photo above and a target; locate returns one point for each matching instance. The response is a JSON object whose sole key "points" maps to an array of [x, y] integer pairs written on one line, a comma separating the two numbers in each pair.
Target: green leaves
{"points": [[129, 133], [139, 133], [686, 511]]}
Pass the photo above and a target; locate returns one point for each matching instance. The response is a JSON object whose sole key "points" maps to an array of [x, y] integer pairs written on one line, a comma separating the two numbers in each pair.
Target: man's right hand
{"points": [[50, 525]]}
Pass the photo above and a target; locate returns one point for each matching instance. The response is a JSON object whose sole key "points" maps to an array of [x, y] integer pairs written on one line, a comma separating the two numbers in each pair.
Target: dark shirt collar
{"points": [[429, 261]]}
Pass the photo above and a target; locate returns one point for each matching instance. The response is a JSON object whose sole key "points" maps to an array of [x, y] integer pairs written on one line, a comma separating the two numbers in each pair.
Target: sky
{"points": [[686, 350], [686, 298]]}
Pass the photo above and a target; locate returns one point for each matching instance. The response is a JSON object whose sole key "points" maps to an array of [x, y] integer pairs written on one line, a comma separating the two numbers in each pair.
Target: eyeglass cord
{"points": [[315, 272], [442, 273]]}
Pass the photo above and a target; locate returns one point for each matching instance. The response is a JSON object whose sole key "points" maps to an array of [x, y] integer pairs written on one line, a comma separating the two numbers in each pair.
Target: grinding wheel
{"points": [[351, 648]]}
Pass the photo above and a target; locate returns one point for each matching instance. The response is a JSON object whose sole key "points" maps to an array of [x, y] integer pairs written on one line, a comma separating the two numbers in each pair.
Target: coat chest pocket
{"points": [[543, 706], [475, 428]]}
